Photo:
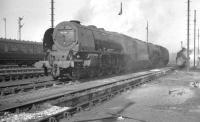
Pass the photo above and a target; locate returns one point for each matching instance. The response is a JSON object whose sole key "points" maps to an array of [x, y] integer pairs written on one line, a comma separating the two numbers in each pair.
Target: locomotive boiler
{"points": [[76, 51]]}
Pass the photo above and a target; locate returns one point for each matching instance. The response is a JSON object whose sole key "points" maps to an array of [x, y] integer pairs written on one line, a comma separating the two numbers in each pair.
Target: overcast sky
{"points": [[167, 18]]}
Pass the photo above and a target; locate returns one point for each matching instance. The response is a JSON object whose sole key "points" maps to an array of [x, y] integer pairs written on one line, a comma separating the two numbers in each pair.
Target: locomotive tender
{"points": [[76, 51], [20, 52]]}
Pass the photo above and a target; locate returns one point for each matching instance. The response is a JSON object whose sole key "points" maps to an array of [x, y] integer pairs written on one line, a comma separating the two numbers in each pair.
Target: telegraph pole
{"points": [[188, 34], [20, 26], [147, 38], [194, 34], [181, 44], [198, 41], [52, 14], [4, 19]]}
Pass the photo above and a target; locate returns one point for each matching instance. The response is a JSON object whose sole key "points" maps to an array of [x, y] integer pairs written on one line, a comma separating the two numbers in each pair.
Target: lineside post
{"points": [[194, 35], [188, 34], [4, 19], [147, 38], [198, 41], [20, 26], [52, 13]]}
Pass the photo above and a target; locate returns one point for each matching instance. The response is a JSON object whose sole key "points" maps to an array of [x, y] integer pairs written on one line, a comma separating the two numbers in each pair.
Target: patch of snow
{"points": [[197, 109], [155, 70], [159, 95], [120, 118], [195, 84]]}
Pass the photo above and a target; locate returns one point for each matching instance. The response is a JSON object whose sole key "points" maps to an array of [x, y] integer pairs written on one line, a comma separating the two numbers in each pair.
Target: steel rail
{"points": [[28, 86], [19, 74]]}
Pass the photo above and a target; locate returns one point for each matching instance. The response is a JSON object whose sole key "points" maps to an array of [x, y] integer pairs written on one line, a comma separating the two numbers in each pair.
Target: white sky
{"points": [[167, 18]]}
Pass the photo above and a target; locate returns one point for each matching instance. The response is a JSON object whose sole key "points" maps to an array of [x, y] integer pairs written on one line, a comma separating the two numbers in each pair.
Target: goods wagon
{"points": [[20, 52], [76, 51]]}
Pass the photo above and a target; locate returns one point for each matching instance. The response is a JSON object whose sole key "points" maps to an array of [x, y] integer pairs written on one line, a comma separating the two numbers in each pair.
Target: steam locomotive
{"points": [[181, 58], [20, 52], [76, 51]]}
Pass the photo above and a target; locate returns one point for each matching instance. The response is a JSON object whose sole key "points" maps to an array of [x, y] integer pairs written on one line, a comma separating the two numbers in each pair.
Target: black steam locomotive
{"points": [[20, 52], [76, 51], [181, 58]]}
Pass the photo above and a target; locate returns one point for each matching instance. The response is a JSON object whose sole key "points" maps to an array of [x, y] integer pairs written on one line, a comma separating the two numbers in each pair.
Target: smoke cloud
{"points": [[165, 17]]}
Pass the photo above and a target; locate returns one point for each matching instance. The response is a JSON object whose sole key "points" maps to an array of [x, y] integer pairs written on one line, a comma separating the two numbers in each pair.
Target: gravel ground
{"points": [[173, 98], [46, 110]]}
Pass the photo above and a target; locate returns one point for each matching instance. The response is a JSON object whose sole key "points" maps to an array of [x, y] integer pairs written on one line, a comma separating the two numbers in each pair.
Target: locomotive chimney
{"points": [[75, 21]]}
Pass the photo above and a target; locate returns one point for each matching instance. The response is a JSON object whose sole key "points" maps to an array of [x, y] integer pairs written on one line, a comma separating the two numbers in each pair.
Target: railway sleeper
{"points": [[18, 89], [20, 76]]}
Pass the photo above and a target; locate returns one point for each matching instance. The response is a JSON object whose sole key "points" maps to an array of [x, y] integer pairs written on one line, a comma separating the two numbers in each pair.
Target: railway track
{"points": [[8, 66], [26, 85], [20, 73], [77, 97], [11, 88]]}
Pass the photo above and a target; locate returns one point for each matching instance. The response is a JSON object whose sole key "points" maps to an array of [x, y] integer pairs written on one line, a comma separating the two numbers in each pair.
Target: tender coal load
{"points": [[87, 51]]}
